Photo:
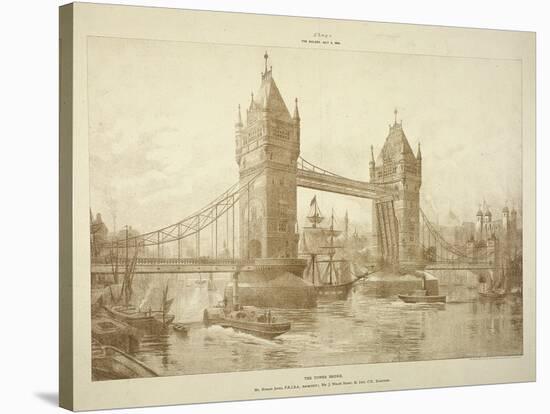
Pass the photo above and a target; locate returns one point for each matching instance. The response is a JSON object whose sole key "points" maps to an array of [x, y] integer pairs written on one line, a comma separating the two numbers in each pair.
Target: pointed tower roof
{"points": [[396, 146], [418, 153], [268, 96]]}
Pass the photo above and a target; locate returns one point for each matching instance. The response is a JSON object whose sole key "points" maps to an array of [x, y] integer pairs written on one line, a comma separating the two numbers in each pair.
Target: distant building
{"points": [[497, 240], [98, 233], [486, 226]]}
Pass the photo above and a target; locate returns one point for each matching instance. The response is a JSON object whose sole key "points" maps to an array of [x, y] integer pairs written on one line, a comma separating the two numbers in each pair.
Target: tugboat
{"points": [[332, 278], [421, 296], [247, 319], [180, 328]]}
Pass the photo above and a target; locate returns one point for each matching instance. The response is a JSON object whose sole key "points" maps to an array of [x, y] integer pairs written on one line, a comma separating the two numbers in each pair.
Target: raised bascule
{"points": [[257, 217]]}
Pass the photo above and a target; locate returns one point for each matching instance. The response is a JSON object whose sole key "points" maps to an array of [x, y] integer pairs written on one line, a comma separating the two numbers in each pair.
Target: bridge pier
{"points": [[271, 288]]}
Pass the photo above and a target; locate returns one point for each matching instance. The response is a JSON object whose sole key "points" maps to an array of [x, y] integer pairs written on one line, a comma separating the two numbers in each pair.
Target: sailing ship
{"points": [[144, 319], [331, 276], [495, 289], [122, 309]]}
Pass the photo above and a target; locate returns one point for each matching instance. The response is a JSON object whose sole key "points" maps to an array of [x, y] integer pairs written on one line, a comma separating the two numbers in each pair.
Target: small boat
{"points": [[109, 363], [144, 319], [129, 314], [247, 319], [109, 331], [122, 310], [495, 289], [334, 291], [420, 296], [423, 298], [180, 328], [137, 318], [492, 294]]}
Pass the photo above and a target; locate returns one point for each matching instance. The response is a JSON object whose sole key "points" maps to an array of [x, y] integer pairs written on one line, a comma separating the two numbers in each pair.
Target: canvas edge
{"points": [[66, 200], [66, 84]]}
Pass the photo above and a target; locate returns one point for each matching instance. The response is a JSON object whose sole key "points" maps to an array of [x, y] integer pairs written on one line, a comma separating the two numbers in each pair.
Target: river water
{"points": [[362, 329]]}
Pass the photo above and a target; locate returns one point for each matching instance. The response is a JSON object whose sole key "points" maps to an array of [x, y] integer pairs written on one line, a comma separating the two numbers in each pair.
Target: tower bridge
{"points": [[257, 217]]}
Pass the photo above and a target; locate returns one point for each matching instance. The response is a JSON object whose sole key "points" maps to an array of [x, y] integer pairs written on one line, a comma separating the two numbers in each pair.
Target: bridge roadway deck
{"points": [[202, 265], [459, 266], [206, 265], [341, 185]]}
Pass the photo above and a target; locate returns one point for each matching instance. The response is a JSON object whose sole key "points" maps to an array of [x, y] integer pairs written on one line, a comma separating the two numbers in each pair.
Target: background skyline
{"points": [[162, 114]]}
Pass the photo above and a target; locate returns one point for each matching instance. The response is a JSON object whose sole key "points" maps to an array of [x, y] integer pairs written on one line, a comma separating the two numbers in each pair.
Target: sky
{"points": [[162, 114]]}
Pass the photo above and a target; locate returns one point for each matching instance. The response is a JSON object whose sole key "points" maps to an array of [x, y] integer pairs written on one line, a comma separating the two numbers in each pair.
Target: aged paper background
{"points": [[93, 21]]}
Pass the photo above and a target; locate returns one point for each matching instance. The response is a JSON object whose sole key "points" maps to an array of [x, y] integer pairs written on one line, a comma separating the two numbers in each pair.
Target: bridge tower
{"points": [[399, 170], [267, 148]]}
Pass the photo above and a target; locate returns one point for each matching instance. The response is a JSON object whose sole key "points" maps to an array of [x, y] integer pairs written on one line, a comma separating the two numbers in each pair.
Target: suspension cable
{"points": [[193, 223]]}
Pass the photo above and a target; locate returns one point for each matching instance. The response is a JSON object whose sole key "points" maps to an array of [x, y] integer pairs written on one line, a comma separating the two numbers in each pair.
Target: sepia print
{"points": [[256, 207]]}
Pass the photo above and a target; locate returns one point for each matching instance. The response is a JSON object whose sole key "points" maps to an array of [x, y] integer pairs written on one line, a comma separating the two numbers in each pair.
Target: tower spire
{"points": [[395, 116], [239, 119], [266, 56], [296, 113], [372, 164], [418, 153]]}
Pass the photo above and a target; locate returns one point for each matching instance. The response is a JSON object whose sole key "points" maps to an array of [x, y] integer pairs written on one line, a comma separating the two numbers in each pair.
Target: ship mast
{"points": [[315, 216], [313, 256], [331, 247]]}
